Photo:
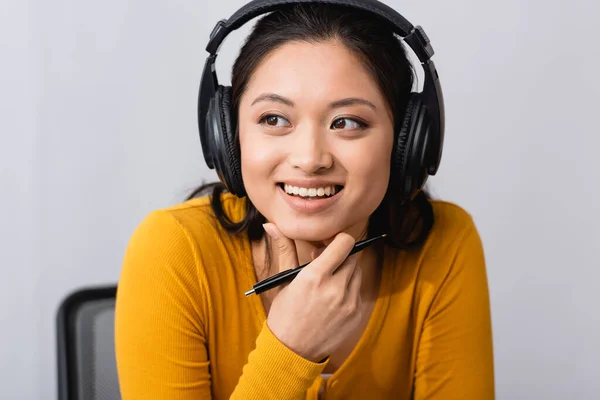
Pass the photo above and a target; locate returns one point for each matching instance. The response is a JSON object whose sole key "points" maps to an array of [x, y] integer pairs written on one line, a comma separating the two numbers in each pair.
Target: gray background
{"points": [[98, 128]]}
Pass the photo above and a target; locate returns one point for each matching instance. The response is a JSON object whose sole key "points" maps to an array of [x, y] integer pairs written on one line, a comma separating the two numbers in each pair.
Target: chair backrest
{"points": [[86, 352]]}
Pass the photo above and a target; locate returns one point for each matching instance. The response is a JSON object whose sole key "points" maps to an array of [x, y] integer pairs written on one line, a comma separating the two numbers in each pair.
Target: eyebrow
{"points": [[350, 101], [275, 98]]}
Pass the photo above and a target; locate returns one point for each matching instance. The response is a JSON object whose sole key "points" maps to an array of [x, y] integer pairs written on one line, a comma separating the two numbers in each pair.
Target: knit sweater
{"points": [[185, 330]]}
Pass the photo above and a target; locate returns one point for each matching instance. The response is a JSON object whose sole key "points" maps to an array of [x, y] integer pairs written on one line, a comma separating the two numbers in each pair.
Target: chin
{"points": [[309, 232]]}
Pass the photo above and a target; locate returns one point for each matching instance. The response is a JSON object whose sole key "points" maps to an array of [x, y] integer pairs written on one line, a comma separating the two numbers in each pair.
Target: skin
{"points": [[295, 123]]}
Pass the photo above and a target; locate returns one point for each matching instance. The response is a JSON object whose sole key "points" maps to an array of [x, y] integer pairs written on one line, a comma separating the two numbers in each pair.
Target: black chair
{"points": [[86, 353]]}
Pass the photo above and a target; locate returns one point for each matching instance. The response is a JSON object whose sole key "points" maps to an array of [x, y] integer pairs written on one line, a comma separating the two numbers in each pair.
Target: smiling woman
{"points": [[320, 144]]}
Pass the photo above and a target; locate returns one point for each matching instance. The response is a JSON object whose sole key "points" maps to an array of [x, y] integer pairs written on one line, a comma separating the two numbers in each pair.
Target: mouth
{"points": [[315, 193]]}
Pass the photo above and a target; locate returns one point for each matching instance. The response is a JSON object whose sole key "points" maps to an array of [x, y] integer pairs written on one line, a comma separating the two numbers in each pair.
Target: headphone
{"points": [[418, 149]]}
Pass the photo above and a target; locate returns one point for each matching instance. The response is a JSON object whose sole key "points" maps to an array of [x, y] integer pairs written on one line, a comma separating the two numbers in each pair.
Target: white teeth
{"points": [[310, 192]]}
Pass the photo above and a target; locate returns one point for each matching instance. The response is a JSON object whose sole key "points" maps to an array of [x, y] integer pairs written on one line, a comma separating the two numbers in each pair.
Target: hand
{"points": [[322, 306]]}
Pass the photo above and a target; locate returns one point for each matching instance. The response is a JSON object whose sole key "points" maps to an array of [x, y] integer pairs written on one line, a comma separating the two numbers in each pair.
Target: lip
{"points": [[308, 206]]}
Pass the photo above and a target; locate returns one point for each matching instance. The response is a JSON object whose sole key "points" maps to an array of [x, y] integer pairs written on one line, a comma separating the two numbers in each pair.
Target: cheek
{"points": [[258, 160], [370, 172], [253, 156], [376, 175], [372, 162]]}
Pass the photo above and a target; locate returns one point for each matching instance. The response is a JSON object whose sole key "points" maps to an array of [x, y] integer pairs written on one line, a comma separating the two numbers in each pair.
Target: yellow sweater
{"points": [[185, 330]]}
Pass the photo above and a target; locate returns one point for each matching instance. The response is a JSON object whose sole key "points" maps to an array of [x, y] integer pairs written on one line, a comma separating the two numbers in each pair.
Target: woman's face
{"points": [[316, 138]]}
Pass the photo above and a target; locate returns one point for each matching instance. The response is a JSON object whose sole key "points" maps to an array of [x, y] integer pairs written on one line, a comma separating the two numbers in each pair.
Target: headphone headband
{"points": [[257, 7]]}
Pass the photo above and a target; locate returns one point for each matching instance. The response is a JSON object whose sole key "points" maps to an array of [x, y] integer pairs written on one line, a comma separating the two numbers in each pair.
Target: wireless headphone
{"points": [[418, 149]]}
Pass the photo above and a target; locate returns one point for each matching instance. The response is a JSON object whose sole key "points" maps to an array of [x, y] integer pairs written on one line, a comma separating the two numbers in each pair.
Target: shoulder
{"points": [[180, 236], [194, 219], [449, 265], [452, 245], [173, 251], [454, 233], [198, 213], [455, 237], [451, 218], [452, 223]]}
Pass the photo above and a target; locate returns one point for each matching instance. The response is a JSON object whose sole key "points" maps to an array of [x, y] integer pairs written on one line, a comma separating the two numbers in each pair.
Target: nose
{"points": [[310, 151]]}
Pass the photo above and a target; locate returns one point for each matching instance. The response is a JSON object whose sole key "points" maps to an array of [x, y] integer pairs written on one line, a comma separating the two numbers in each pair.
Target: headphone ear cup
{"points": [[408, 162], [225, 154]]}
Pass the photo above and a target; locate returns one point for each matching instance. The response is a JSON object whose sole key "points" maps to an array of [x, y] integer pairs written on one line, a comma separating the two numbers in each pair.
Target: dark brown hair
{"points": [[407, 224]]}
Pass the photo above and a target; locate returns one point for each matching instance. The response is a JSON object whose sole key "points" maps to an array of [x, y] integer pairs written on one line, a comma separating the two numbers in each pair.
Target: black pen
{"points": [[289, 274]]}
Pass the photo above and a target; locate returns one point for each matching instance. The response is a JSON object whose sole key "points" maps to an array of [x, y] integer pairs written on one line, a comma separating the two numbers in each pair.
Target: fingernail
{"points": [[271, 231]]}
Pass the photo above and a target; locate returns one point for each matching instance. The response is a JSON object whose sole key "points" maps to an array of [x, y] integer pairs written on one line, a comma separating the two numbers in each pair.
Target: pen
{"points": [[289, 274]]}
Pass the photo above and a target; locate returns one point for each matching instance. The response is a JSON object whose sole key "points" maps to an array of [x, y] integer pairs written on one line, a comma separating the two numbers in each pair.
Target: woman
{"points": [[316, 95]]}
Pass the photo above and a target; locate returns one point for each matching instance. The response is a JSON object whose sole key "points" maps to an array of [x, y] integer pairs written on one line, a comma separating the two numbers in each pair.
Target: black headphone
{"points": [[418, 149]]}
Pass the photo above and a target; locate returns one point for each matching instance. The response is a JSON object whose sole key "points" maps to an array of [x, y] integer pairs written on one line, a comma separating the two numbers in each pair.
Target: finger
{"points": [[355, 283], [334, 255], [283, 247], [344, 273]]}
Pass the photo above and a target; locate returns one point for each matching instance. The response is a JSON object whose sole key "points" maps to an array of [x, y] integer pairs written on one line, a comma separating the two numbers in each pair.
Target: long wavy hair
{"points": [[373, 41]]}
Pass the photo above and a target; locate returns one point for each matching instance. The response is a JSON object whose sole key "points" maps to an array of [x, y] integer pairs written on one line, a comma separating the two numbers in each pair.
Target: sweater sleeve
{"points": [[159, 333], [455, 355], [160, 319], [274, 372]]}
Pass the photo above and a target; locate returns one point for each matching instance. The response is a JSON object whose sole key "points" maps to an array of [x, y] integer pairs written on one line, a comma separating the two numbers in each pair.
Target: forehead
{"points": [[307, 71]]}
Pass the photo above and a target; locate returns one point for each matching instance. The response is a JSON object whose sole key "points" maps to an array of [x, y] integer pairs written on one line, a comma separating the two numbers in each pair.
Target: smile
{"points": [[310, 200], [311, 193]]}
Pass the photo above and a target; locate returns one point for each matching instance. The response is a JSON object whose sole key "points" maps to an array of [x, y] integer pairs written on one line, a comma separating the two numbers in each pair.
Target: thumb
{"points": [[284, 248]]}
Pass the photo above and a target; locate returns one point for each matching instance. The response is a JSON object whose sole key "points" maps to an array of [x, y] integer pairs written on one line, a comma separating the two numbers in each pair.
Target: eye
{"points": [[275, 121], [347, 123]]}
